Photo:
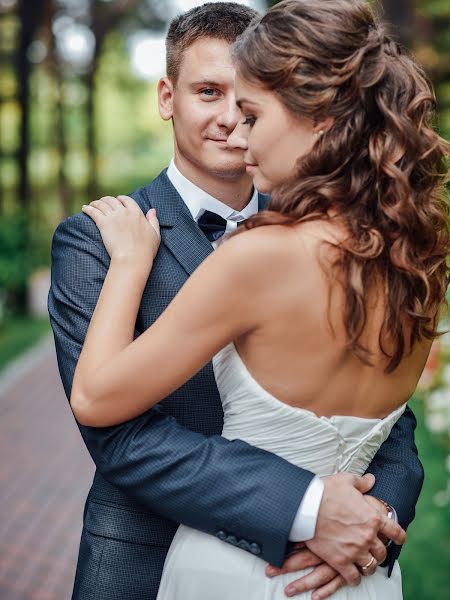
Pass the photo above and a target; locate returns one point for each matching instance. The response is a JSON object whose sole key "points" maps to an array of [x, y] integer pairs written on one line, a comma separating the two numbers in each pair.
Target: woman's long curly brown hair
{"points": [[381, 166]]}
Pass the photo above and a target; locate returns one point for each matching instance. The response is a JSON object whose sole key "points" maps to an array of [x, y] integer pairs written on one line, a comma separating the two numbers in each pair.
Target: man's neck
{"points": [[236, 192]]}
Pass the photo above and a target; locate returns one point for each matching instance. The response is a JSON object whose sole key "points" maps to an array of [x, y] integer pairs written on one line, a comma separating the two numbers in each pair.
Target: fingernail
{"points": [[290, 590]]}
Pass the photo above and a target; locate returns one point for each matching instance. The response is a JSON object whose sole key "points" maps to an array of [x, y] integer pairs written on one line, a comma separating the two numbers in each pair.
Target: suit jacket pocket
{"points": [[128, 525]]}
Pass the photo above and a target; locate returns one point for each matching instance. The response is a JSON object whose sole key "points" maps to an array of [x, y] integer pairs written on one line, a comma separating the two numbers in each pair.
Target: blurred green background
{"points": [[78, 119]]}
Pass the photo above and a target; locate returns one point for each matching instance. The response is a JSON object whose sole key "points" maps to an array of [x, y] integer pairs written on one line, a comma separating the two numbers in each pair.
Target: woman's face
{"points": [[273, 139]]}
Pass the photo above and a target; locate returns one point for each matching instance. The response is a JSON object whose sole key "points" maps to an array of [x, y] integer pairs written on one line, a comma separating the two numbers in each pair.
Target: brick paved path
{"points": [[45, 474]]}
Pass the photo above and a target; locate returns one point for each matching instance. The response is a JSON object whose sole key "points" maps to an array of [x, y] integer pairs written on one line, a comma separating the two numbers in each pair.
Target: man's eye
{"points": [[249, 121], [210, 92]]}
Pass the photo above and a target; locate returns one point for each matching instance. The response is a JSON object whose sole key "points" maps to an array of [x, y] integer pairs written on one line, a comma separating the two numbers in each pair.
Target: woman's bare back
{"points": [[298, 352]]}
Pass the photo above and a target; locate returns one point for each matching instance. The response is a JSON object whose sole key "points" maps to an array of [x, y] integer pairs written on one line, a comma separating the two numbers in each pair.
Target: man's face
{"points": [[203, 107]]}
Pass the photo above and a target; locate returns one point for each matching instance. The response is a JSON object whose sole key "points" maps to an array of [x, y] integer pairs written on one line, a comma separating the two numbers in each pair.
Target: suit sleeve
{"points": [[208, 483], [399, 474]]}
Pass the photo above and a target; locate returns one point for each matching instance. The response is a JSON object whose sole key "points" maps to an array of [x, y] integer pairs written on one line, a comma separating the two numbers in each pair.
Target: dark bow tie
{"points": [[212, 225]]}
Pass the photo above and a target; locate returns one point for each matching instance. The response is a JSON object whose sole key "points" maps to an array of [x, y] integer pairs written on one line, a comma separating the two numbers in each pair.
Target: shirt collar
{"points": [[197, 200]]}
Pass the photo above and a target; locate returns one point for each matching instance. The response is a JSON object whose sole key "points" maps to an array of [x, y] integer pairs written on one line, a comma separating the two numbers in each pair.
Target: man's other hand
{"points": [[323, 580], [348, 527]]}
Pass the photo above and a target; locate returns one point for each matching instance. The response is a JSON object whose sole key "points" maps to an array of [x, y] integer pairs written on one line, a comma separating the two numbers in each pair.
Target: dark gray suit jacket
{"points": [[171, 465]]}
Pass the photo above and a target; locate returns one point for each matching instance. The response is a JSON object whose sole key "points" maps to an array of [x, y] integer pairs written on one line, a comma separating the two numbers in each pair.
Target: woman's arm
{"points": [[117, 378], [154, 460]]}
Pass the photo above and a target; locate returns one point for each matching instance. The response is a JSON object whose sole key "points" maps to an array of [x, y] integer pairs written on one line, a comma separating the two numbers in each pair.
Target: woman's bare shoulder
{"points": [[321, 230], [261, 248], [271, 245]]}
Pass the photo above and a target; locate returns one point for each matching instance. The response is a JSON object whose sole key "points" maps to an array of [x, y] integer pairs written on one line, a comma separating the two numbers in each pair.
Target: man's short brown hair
{"points": [[220, 20]]}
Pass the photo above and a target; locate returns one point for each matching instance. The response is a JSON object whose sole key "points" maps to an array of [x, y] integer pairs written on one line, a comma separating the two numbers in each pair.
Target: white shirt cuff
{"points": [[304, 525]]}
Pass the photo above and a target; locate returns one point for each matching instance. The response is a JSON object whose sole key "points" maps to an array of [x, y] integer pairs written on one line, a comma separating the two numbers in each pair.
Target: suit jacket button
{"points": [[255, 549], [221, 535], [244, 545], [231, 540]]}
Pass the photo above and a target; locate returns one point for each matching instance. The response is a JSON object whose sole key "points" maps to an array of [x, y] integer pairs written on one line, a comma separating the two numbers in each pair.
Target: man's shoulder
{"points": [[146, 194], [78, 222]]}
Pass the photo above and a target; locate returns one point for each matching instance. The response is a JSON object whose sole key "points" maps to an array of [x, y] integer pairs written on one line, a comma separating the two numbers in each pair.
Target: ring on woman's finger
{"points": [[364, 569]]}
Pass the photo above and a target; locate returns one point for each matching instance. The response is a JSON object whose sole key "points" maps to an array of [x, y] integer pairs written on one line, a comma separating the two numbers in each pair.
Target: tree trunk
{"points": [[23, 69], [30, 14], [63, 188], [91, 132], [104, 16]]}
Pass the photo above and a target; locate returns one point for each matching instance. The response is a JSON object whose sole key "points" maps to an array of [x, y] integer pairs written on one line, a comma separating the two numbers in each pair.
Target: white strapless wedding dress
{"points": [[200, 566]]}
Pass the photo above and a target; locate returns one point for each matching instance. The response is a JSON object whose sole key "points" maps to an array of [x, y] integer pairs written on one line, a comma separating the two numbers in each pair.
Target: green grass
{"points": [[425, 559], [17, 334]]}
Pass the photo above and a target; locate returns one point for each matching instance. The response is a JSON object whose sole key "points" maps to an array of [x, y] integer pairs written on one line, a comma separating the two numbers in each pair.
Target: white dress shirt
{"points": [[198, 201]]}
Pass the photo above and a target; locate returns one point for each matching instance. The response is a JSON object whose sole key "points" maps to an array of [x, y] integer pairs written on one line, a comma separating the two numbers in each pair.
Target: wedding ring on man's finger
{"points": [[363, 570]]}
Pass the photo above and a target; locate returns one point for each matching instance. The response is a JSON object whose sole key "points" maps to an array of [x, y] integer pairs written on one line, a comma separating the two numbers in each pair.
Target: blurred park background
{"points": [[78, 119]]}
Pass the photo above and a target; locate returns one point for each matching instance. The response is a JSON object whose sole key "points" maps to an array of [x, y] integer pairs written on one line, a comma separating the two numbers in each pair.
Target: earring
{"points": [[320, 134]]}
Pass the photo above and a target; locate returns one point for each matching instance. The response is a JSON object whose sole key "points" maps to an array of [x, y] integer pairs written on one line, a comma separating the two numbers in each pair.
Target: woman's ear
{"points": [[165, 98], [322, 125]]}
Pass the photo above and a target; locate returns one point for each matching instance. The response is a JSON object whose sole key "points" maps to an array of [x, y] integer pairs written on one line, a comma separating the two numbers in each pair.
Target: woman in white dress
{"points": [[320, 315]]}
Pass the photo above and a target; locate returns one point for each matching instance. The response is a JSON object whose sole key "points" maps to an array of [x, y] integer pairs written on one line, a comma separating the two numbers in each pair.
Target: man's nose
{"points": [[238, 137], [229, 116]]}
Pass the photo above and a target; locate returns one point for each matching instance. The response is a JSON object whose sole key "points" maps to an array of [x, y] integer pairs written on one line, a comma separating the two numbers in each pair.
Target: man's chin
{"points": [[228, 169]]}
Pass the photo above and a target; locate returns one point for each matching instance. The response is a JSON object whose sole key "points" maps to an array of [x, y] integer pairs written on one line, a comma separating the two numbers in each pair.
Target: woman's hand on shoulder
{"points": [[128, 234]]}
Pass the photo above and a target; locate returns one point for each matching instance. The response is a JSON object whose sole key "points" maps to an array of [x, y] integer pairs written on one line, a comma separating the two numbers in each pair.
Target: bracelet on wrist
{"points": [[391, 514], [390, 510]]}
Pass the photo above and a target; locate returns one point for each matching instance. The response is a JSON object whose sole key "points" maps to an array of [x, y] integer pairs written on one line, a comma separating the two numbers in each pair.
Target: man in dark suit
{"points": [[171, 465]]}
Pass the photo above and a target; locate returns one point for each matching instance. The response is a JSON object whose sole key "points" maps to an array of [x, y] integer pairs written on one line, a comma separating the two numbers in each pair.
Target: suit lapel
{"points": [[179, 232], [187, 242]]}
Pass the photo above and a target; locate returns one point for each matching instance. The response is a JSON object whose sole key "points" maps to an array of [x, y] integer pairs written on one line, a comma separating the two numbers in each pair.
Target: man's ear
{"points": [[165, 98]]}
